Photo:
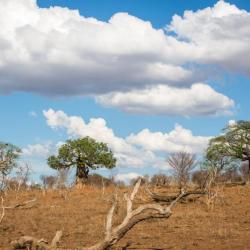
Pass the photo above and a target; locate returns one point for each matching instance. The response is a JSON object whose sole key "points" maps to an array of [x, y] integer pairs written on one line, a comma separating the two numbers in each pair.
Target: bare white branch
{"points": [[110, 217], [132, 196], [25, 204], [3, 211], [56, 240], [135, 190]]}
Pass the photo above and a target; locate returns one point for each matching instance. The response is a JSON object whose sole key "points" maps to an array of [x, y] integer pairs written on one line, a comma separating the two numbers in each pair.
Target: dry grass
{"points": [[81, 215]]}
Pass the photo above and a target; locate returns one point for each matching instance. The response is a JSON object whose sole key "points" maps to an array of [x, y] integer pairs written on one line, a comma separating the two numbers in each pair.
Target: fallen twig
{"points": [[22, 205], [3, 210]]}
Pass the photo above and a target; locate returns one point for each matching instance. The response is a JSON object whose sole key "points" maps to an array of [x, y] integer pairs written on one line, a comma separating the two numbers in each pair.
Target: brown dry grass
{"points": [[82, 215]]}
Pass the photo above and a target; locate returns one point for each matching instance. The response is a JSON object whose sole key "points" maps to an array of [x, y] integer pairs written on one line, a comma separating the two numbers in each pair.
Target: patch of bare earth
{"points": [[81, 215]]}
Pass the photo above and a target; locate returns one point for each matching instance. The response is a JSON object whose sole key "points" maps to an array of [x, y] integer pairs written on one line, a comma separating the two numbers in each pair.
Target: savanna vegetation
{"points": [[201, 203]]}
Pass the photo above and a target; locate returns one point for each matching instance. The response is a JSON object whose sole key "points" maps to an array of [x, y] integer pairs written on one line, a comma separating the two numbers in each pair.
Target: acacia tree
{"points": [[84, 154], [8, 156], [232, 146], [182, 163]]}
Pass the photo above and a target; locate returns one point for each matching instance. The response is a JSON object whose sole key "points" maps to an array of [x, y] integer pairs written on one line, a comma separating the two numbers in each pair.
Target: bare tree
{"points": [[22, 175], [48, 181], [200, 178], [62, 177], [99, 181], [244, 171], [19, 181], [182, 163], [160, 180]]}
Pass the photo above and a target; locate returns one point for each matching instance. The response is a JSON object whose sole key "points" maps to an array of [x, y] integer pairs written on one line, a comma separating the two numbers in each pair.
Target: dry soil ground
{"points": [[81, 215]]}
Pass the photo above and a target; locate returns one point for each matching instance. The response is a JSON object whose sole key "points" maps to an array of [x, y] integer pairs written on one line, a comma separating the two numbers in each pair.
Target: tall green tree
{"points": [[84, 154], [8, 157], [232, 146]]}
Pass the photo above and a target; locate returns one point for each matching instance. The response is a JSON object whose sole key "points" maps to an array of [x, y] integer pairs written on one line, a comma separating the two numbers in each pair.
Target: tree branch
{"points": [[23, 204], [141, 213], [3, 210], [110, 217], [171, 198]]}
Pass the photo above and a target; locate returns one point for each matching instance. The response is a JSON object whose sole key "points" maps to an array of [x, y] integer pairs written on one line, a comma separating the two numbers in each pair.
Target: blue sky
{"points": [[142, 74]]}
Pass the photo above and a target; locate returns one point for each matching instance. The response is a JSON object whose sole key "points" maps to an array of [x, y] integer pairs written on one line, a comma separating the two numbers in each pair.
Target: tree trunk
{"points": [[246, 157], [248, 171], [81, 176]]}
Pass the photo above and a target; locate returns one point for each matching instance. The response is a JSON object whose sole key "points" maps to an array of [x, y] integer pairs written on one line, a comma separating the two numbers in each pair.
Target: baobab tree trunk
{"points": [[246, 157], [248, 170], [81, 176]]}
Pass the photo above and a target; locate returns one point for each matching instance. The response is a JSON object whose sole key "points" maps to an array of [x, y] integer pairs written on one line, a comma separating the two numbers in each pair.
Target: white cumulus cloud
{"points": [[127, 176], [144, 149], [179, 139], [39, 150], [57, 51], [198, 100], [219, 35]]}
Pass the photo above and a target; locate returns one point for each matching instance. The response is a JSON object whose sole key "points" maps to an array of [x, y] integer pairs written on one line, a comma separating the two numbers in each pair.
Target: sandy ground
{"points": [[81, 215]]}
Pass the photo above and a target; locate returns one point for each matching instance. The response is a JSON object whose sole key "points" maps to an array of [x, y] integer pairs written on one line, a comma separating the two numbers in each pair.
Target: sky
{"points": [[148, 78]]}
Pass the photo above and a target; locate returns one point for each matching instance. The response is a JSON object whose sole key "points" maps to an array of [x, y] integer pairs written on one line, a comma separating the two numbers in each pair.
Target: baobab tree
{"points": [[84, 154]]}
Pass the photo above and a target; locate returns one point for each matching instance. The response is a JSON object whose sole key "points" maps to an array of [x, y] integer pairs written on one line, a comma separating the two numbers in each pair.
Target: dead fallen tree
{"points": [[171, 198], [31, 243], [233, 184], [141, 213], [114, 234]]}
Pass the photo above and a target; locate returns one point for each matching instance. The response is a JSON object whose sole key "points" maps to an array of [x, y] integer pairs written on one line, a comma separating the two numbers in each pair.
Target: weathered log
{"points": [[31, 243], [234, 184], [170, 198]]}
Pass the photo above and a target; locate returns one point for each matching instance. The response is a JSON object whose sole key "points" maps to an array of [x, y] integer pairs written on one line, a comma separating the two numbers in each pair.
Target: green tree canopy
{"points": [[231, 146], [8, 157], [84, 154]]}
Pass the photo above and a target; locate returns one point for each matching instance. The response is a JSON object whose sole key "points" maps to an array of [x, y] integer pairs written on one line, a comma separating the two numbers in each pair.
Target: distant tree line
{"points": [[226, 159]]}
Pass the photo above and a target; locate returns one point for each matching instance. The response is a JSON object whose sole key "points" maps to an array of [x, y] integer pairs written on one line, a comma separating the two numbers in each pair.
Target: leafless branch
{"points": [[56, 240], [3, 211], [23, 205], [110, 217], [171, 198], [141, 213]]}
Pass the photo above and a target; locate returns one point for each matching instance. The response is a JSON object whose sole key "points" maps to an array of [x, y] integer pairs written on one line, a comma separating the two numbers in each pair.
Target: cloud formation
{"points": [[220, 35], [58, 52], [144, 149], [126, 177], [198, 100], [40, 150]]}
